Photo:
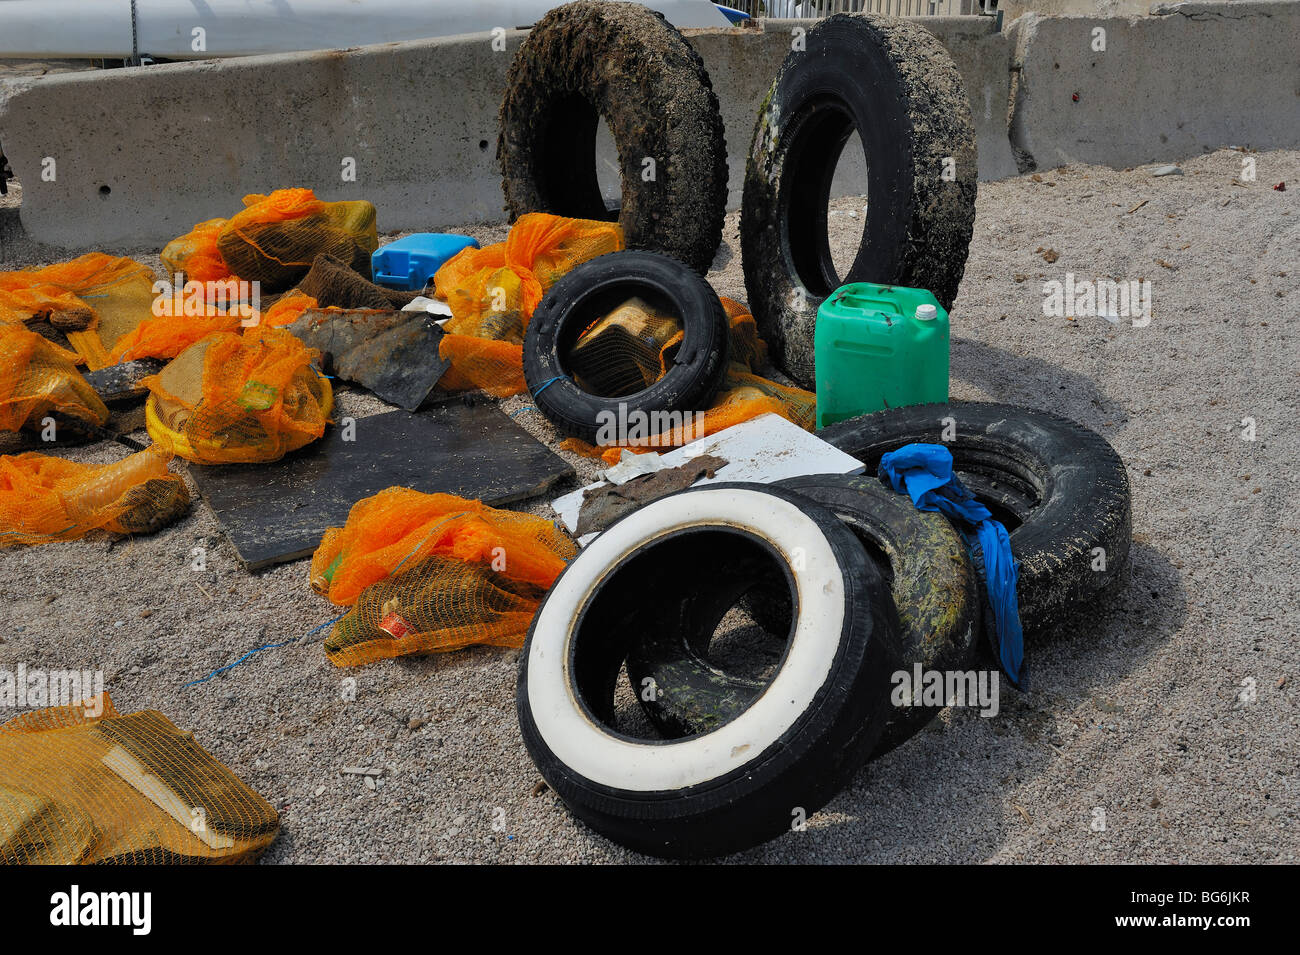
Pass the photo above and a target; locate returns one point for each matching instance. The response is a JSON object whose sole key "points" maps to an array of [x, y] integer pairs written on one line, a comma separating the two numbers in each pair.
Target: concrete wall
{"points": [[142, 154], [1191, 78]]}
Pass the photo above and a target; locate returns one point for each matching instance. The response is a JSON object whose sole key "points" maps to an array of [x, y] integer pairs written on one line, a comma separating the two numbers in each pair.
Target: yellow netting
{"points": [[274, 239], [239, 399], [195, 254], [743, 395], [38, 378], [427, 573], [493, 292], [81, 783], [96, 299], [45, 498]]}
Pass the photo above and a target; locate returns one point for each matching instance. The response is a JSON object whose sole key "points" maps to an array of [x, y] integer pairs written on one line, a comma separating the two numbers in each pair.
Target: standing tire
{"points": [[783, 756], [934, 590], [621, 61], [596, 288], [893, 82], [1060, 490]]}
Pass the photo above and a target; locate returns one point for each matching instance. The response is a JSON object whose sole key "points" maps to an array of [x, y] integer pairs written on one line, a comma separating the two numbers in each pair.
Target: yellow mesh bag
{"points": [[112, 295], [44, 498], [493, 292], [38, 378], [429, 573], [84, 784], [274, 239], [742, 396], [239, 399], [195, 254]]}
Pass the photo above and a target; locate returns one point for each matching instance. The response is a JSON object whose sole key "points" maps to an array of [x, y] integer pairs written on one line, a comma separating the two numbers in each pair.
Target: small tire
{"points": [[894, 83], [788, 752], [597, 287], [1060, 489], [934, 590], [621, 61]]}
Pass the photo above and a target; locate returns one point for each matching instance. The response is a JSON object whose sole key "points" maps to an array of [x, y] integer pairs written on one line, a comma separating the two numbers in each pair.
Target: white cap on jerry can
{"points": [[927, 313]]}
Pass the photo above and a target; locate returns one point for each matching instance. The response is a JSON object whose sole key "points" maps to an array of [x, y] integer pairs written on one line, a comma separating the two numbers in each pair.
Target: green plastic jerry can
{"points": [[877, 347]]}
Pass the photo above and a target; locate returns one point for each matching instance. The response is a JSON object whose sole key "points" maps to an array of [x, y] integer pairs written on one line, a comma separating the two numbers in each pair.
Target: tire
{"points": [[934, 589], [791, 749], [597, 287], [1060, 490], [893, 82], [621, 61]]}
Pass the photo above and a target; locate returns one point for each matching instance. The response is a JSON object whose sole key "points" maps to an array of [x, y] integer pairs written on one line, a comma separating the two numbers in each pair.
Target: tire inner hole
{"points": [[621, 339], [576, 151]]}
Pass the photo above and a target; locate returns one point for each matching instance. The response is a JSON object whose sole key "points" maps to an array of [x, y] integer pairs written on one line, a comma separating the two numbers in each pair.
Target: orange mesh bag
{"points": [[428, 573], [274, 239], [195, 255], [169, 335], [238, 399], [38, 378], [83, 784], [96, 299], [493, 292], [44, 498], [287, 310]]}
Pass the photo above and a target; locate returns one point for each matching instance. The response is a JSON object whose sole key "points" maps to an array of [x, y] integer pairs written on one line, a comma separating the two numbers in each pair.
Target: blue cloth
{"points": [[924, 472]]}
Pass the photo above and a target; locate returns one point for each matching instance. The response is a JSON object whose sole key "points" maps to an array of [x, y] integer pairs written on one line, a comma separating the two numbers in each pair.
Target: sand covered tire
{"points": [[1060, 490], [935, 593], [593, 290], [621, 61], [783, 756], [893, 82]]}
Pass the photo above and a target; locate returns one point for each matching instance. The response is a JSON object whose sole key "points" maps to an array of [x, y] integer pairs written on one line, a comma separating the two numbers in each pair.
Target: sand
{"points": [[1139, 708]]}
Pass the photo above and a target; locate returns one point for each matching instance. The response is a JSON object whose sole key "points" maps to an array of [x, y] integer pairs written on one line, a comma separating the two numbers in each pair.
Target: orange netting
{"points": [[81, 783], [275, 238], [44, 498], [493, 292], [38, 378], [742, 396], [195, 254], [169, 335], [95, 299], [427, 573], [238, 399], [287, 310]]}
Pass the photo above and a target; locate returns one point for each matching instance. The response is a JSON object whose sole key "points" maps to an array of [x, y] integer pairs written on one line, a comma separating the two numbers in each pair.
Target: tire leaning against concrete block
{"points": [[597, 287], [1060, 489], [789, 751], [893, 82], [934, 590], [621, 61]]}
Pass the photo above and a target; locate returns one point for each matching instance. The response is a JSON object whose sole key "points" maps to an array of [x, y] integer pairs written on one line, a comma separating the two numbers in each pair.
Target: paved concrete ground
{"points": [[1172, 708]]}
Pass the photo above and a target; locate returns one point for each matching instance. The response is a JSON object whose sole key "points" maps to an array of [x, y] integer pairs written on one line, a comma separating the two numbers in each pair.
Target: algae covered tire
{"points": [[625, 63], [893, 83], [934, 589], [1059, 488], [592, 290], [783, 756]]}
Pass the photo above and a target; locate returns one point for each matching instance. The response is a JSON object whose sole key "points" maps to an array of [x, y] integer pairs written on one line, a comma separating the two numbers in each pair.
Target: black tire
{"points": [[592, 290], [934, 589], [1060, 490], [789, 752], [893, 82], [621, 61]]}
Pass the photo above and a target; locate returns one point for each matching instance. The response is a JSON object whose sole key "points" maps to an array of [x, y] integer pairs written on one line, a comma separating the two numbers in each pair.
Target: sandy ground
{"points": [[1140, 708]]}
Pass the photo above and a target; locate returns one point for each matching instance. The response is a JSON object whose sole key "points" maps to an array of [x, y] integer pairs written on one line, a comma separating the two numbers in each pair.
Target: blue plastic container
{"points": [[410, 263]]}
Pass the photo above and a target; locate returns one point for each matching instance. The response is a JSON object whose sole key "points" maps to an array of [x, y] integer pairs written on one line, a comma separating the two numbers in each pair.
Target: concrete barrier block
{"points": [[1191, 78]]}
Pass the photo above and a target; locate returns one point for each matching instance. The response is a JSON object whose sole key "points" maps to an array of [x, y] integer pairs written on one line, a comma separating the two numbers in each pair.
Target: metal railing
{"points": [[812, 9]]}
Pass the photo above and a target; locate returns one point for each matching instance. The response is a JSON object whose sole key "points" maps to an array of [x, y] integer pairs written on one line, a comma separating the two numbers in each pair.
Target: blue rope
{"points": [[547, 384], [518, 411], [265, 646]]}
